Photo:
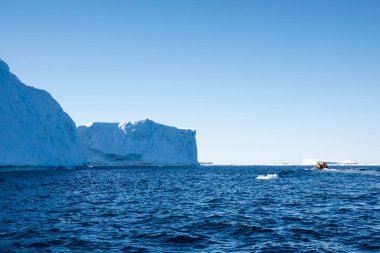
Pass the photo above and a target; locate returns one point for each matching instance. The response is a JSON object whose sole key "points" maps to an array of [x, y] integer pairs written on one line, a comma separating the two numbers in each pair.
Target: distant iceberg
{"points": [[138, 143], [315, 161], [34, 130]]}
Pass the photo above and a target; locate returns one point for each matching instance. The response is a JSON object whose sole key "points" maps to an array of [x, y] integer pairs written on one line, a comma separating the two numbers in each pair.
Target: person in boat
{"points": [[321, 165]]}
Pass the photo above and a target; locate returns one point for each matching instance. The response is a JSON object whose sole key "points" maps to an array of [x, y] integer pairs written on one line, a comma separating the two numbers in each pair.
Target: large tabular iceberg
{"points": [[34, 130], [138, 143]]}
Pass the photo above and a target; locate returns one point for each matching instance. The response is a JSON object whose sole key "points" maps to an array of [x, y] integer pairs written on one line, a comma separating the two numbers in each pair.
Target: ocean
{"points": [[191, 209]]}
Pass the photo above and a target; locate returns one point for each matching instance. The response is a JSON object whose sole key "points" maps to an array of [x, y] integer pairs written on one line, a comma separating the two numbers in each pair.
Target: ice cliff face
{"points": [[34, 130], [138, 143]]}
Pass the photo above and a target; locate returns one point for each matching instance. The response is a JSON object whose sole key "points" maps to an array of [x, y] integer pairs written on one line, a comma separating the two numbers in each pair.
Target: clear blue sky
{"points": [[261, 81]]}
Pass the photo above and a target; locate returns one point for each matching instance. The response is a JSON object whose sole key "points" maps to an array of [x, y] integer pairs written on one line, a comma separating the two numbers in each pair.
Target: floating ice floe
{"points": [[267, 176]]}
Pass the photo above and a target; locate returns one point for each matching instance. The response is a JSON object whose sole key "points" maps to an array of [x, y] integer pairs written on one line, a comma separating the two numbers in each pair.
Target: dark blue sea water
{"points": [[202, 209]]}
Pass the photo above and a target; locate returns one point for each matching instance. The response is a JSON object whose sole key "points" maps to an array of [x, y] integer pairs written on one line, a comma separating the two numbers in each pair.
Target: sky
{"points": [[261, 81]]}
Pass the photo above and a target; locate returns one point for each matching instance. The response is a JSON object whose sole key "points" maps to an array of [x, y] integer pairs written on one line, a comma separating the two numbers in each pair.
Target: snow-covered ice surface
{"points": [[139, 143], [34, 130]]}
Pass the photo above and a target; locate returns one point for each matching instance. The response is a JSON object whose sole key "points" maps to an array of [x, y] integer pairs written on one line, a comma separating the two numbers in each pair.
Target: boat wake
{"points": [[267, 176], [355, 170]]}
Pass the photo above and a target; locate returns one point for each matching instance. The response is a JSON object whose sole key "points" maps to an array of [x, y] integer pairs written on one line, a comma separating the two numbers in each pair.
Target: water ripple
{"points": [[206, 209]]}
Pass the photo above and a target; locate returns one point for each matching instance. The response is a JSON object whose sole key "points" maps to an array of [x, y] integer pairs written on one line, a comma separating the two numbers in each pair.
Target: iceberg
{"points": [[315, 161], [310, 161], [138, 143], [34, 130]]}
